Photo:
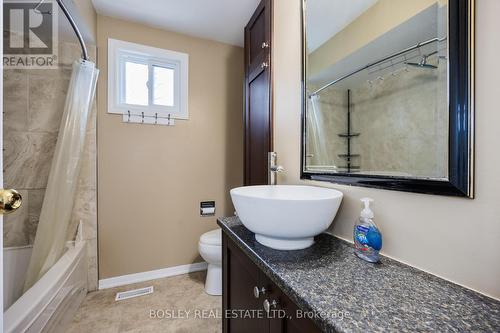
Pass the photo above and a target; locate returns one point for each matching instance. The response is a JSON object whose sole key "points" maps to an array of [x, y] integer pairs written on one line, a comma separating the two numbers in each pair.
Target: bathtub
{"points": [[15, 265], [51, 303]]}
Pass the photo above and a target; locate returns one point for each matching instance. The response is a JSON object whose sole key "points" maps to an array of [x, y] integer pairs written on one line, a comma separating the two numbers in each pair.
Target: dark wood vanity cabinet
{"points": [[243, 310]]}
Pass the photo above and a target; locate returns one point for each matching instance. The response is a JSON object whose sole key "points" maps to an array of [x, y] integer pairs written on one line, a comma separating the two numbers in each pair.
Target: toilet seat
{"points": [[213, 237]]}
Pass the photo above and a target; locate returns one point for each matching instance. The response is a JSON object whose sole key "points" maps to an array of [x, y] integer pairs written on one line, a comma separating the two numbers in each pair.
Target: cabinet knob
{"points": [[257, 292], [268, 305], [264, 65], [265, 45]]}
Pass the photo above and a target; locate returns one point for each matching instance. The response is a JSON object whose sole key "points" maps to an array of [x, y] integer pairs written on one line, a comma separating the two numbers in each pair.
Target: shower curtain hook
{"points": [[393, 68], [405, 68]]}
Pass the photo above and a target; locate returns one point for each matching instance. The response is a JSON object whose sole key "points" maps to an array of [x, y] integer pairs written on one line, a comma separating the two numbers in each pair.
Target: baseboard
{"points": [[151, 275]]}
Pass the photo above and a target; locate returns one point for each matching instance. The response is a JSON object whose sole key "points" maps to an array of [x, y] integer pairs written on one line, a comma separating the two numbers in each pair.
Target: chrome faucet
{"points": [[272, 168]]}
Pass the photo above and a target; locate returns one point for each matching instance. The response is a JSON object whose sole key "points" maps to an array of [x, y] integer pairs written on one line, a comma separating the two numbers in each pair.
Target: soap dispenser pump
{"points": [[367, 236]]}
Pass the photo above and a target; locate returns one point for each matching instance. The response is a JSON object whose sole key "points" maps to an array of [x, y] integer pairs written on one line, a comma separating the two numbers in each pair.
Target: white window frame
{"points": [[120, 51]]}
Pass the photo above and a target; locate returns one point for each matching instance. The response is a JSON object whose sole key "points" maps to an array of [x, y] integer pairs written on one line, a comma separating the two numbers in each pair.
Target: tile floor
{"points": [[100, 313]]}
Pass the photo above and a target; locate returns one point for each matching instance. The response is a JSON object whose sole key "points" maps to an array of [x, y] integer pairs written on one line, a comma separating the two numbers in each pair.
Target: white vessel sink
{"points": [[286, 217]]}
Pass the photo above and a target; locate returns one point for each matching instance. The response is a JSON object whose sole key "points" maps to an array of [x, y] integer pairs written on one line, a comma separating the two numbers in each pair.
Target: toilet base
{"points": [[213, 283]]}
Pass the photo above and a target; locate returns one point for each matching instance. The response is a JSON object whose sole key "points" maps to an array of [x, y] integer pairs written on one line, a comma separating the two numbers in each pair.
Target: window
{"points": [[148, 80]]}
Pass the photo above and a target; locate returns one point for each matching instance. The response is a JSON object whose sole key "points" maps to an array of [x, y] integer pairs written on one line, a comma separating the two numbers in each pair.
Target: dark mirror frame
{"points": [[461, 118]]}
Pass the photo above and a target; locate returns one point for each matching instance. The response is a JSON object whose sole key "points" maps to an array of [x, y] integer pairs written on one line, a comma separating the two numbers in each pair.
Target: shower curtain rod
{"points": [[72, 23], [411, 48], [85, 54]]}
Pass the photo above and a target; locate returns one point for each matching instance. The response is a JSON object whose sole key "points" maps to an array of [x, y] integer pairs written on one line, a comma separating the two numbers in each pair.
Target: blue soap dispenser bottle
{"points": [[367, 236]]}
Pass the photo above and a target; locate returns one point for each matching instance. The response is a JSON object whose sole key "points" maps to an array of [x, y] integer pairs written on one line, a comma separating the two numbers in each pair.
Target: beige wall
{"points": [[366, 28], [88, 17], [451, 237], [151, 179]]}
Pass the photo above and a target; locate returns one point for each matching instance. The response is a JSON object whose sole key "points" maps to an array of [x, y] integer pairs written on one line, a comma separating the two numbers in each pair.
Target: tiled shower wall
{"points": [[33, 107], [402, 121]]}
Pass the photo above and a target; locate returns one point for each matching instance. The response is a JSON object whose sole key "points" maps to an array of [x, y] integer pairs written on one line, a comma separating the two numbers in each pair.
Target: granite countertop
{"points": [[351, 295]]}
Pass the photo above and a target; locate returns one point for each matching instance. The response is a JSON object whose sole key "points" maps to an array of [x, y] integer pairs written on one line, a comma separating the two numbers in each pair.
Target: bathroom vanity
{"points": [[326, 288], [254, 302]]}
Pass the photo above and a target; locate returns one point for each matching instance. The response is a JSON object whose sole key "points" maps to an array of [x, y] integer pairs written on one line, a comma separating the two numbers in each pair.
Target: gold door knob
{"points": [[10, 200]]}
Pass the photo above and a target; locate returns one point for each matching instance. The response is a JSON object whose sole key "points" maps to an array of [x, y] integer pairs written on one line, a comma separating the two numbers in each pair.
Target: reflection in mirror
{"points": [[377, 88]]}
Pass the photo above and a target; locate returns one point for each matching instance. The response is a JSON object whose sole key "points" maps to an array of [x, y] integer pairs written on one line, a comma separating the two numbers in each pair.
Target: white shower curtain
{"points": [[316, 125], [60, 193]]}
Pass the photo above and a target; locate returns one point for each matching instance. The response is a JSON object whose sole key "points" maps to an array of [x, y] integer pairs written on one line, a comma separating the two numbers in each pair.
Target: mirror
{"points": [[379, 109]]}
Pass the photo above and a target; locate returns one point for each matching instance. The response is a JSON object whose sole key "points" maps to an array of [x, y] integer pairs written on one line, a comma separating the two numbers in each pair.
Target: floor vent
{"points": [[133, 293]]}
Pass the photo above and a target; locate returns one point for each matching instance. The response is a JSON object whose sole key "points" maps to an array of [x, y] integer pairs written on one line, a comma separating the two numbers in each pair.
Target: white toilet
{"points": [[210, 248]]}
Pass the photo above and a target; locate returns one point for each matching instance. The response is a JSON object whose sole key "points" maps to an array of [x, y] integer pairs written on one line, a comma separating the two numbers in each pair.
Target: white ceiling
{"points": [[220, 20], [325, 18]]}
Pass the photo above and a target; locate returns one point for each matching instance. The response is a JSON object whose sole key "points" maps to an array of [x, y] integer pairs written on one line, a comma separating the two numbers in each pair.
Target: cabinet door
{"points": [[258, 111], [257, 129], [258, 36], [287, 318], [294, 320], [273, 297], [240, 276]]}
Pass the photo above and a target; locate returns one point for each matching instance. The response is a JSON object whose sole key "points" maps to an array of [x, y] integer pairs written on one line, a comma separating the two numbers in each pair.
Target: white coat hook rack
{"points": [[143, 118]]}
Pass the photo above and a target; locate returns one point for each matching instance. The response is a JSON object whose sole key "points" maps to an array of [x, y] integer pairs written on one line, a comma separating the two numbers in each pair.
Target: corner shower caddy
{"points": [[349, 136]]}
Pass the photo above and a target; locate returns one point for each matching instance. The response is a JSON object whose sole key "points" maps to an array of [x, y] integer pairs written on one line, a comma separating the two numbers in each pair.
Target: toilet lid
{"points": [[213, 237]]}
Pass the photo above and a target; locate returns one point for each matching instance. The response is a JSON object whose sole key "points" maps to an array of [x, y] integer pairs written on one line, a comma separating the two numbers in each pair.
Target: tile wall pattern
{"points": [[402, 121], [33, 107]]}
